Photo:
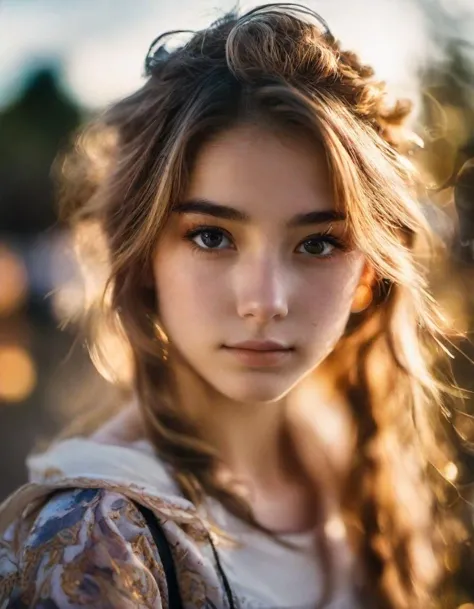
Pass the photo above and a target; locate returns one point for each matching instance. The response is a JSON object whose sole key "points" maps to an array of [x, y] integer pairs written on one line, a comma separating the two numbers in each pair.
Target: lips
{"points": [[260, 354], [260, 345]]}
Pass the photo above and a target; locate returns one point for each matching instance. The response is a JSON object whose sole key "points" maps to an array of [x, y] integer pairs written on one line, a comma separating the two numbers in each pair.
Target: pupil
{"points": [[315, 247], [211, 239]]}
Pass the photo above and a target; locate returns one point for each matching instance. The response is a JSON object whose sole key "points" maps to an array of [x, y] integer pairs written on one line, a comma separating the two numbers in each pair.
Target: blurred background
{"points": [[60, 62]]}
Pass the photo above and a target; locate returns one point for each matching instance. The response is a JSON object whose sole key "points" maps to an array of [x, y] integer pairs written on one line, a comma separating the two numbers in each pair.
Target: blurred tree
{"points": [[31, 131]]}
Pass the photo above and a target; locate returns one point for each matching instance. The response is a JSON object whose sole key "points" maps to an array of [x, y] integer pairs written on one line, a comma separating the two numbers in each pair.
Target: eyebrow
{"points": [[209, 208]]}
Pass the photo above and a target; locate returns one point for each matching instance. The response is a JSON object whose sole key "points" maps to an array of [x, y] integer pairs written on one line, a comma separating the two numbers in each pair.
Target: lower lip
{"points": [[255, 358]]}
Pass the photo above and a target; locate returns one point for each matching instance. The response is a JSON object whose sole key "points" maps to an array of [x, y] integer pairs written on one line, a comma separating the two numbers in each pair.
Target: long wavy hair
{"points": [[280, 67]]}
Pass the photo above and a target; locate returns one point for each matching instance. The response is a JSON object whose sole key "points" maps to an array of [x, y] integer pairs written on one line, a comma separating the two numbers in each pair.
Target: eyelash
{"points": [[320, 237]]}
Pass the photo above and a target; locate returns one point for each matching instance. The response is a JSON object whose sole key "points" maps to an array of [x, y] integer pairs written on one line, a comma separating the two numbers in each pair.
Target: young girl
{"points": [[264, 249]]}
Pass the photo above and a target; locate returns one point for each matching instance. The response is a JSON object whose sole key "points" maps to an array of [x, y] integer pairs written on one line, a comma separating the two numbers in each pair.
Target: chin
{"points": [[256, 390]]}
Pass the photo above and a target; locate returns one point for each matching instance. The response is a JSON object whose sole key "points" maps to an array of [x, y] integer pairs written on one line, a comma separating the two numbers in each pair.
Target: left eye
{"points": [[318, 247]]}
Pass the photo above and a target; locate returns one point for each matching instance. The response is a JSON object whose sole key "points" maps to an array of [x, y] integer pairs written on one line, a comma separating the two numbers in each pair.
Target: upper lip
{"points": [[260, 345]]}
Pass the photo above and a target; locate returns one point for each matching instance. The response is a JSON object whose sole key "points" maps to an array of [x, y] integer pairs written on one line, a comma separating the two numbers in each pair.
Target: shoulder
{"points": [[76, 510], [92, 548]]}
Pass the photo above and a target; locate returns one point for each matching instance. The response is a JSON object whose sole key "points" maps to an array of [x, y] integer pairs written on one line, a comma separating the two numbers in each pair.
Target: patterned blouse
{"points": [[91, 547]]}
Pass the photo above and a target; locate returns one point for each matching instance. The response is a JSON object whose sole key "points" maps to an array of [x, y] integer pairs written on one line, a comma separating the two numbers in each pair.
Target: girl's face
{"points": [[255, 251]]}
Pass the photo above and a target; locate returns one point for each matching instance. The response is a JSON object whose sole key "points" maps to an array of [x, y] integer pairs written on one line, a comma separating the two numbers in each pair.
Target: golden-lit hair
{"points": [[279, 66]]}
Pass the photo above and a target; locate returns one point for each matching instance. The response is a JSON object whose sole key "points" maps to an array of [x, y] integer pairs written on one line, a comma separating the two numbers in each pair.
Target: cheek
{"points": [[186, 289], [327, 300]]}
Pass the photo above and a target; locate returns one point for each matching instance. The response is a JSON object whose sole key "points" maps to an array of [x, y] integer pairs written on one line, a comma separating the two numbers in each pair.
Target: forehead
{"points": [[268, 175]]}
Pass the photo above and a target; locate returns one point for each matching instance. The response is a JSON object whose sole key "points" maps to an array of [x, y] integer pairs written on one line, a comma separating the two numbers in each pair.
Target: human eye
{"points": [[207, 239], [321, 245]]}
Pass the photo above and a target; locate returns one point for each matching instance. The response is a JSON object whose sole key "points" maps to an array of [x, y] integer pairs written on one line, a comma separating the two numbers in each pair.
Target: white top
{"points": [[265, 574]]}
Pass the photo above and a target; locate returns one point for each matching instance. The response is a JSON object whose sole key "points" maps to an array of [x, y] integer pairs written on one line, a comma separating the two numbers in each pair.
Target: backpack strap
{"points": [[174, 597]]}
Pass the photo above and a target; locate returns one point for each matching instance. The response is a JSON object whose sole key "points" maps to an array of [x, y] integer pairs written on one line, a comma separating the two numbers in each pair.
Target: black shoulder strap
{"points": [[174, 597]]}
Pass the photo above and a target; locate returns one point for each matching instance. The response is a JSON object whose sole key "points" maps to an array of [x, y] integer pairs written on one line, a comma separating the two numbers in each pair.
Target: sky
{"points": [[99, 45]]}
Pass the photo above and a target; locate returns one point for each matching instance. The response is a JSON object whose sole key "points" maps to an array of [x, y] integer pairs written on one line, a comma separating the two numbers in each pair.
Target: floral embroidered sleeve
{"points": [[90, 548]]}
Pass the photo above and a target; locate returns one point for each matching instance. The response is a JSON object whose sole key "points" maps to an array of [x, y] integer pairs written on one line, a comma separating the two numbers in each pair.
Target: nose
{"points": [[261, 290]]}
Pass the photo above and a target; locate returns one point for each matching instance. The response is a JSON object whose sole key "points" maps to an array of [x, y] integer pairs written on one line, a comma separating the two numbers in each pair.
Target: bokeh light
{"points": [[13, 281], [450, 471], [17, 373], [335, 528]]}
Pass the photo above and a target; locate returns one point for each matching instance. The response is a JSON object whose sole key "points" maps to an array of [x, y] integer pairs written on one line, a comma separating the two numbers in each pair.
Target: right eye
{"points": [[207, 238]]}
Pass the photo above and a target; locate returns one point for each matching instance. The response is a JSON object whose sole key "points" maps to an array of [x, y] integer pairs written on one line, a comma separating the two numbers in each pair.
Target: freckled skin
{"points": [[262, 283]]}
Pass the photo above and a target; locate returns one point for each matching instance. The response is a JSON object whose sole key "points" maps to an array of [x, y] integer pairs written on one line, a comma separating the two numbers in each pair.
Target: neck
{"points": [[248, 437], [258, 454]]}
